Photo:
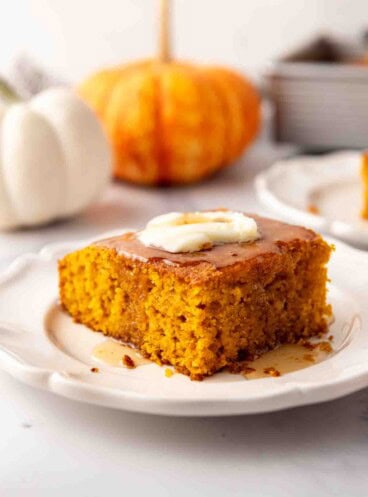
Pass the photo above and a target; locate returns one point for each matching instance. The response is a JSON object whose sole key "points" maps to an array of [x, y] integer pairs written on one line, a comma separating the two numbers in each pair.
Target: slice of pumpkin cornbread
{"points": [[204, 310]]}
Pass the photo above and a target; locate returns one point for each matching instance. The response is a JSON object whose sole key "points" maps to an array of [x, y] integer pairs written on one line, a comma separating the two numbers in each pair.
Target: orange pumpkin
{"points": [[172, 122]]}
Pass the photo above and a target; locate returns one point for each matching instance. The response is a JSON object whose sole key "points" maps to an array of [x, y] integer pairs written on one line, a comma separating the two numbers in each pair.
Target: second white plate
{"points": [[329, 185]]}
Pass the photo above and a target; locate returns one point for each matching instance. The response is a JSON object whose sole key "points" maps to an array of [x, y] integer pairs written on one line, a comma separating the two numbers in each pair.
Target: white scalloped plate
{"points": [[331, 183], [28, 292]]}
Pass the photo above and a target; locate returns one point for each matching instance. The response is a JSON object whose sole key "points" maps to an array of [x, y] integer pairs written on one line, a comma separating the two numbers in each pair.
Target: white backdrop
{"points": [[77, 36]]}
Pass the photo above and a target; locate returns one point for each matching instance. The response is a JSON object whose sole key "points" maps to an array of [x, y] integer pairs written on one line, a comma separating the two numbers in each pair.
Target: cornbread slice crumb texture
{"points": [[206, 310], [364, 175]]}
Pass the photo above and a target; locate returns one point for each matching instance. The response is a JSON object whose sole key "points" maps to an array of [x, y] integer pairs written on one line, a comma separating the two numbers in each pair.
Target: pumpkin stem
{"points": [[7, 93], [164, 38]]}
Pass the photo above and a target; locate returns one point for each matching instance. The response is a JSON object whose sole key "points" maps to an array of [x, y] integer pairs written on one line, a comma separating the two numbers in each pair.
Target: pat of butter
{"points": [[189, 232]]}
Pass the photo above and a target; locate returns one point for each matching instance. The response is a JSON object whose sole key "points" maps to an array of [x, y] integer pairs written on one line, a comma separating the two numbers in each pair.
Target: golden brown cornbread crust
{"points": [[196, 316]]}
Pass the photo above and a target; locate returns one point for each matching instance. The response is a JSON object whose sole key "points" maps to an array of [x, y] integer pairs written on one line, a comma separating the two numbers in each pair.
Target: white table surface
{"points": [[51, 446]]}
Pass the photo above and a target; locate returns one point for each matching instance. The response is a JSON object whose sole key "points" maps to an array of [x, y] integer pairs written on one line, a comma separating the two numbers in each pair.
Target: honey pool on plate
{"points": [[285, 359], [112, 353], [100, 352]]}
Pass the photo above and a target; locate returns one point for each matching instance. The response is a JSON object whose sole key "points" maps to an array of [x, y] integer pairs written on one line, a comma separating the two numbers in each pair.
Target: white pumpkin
{"points": [[54, 158]]}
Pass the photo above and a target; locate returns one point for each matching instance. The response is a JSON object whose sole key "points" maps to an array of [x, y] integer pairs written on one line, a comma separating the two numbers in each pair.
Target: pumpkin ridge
{"points": [[222, 104], [97, 90], [248, 105], [134, 146], [114, 124], [110, 125], [24, 186], [8, 214], [204, 126], [162, 158], [228, 97]]}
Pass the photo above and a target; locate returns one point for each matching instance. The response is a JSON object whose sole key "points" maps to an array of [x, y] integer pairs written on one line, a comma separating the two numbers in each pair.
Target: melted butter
{"points": [[112, 353], [287, 359]]}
